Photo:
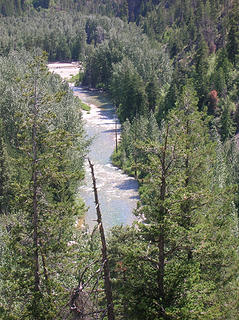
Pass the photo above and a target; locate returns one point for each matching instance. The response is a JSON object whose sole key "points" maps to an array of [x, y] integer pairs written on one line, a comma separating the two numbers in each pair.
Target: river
{"points": [[118, 193]]}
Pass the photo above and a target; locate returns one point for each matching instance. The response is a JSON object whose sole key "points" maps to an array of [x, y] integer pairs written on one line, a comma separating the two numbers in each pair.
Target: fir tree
{"points": [[201, 70], [227, 125], [5, 192], [233, 36], [176, 196], [44, 207]]}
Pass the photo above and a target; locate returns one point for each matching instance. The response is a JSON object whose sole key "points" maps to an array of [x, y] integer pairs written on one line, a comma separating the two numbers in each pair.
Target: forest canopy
{"points": [[171, 71]]}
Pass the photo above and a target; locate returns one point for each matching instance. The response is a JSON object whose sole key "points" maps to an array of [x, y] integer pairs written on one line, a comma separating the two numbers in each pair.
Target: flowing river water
{"points": [[118, 193]]}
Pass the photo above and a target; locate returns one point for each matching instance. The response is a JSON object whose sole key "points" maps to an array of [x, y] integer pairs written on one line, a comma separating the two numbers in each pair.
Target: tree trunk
{"points": [[107, 281], [161, 262], [35, 202], [161, 240]]}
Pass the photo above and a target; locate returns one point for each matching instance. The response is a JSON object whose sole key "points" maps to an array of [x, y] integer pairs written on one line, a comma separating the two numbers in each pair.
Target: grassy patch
{"points": [[84, 106], [116, 159], [73, 78]]}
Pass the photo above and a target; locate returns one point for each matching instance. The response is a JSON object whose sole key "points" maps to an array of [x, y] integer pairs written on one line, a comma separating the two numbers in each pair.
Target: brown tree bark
{"points": [[107, 281], [35, 200], [161, 257], [161, 238]]}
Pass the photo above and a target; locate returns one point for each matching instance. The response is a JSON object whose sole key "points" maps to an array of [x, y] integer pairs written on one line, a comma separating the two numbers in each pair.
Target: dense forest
{"points": [[171, 68]]}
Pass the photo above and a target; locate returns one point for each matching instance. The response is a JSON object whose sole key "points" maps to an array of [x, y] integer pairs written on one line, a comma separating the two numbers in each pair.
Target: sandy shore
{"points": [[65, 70]]}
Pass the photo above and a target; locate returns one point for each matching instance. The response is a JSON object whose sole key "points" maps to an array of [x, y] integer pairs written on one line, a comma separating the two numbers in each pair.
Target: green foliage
{"points": [[77, 79], [41, 3], [5, 185], [61, 34], [184, 213], [133, 71], [181, 260], [67, 36], [100, 65], [128, 92], [10, 7], [46, 165], [149, 61], [233, 36], [133, 278], [142, 128], [83, 106], [227, 125], [201, 72]]}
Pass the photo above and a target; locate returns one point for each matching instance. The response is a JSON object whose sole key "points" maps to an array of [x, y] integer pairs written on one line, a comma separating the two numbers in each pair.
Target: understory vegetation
{"points": [[171, 68]]}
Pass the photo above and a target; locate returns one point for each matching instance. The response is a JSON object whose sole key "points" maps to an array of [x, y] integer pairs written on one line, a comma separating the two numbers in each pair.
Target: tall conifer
{"points": [[45, 213], [178, 193]]}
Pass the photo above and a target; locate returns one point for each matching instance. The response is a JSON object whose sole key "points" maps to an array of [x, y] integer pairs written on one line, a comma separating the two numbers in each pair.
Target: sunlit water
{"points": [[117, 192]]}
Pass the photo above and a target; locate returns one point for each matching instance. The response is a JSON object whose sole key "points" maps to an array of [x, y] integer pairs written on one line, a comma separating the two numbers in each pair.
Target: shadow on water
{"points": [[134, 197], [107, 111], [128, 185], [107, 106], [95, 94], [103, 98], [112, 131]]}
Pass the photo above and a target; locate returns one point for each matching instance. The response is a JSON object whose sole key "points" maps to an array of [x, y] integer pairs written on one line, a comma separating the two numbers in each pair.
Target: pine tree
{"points": [[176, 197], [152, 91], [41, 3], [128, 91], [5, 192], [233, 36], [227, 125], [124, 10], [44, 213], [201, 70]]}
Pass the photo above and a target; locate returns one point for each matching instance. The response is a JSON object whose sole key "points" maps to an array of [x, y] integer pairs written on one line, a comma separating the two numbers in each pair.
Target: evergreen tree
{"points": [[5, 192], [233, 36], [201, 72], [41, 3], [128, 91], [152, 90], [227, 125], [177, 197], [220, 81], [44, 216], [124, 10]]}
